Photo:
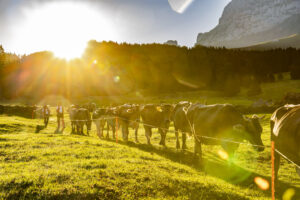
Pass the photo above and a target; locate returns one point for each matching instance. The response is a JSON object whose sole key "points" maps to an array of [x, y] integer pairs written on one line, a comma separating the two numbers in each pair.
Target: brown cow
{"points": [[112, 121], [72, 110], [181, 123], [156, 116], [223, 122], [83, 117], [98, 118], [129, 117], [285, 132]]}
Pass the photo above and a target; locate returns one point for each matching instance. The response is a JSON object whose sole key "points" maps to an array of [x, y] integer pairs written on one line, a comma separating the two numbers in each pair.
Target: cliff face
{"points": [[248, 22]]}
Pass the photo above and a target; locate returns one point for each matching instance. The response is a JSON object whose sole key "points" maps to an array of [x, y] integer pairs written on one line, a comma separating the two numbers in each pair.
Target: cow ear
{"points": [[159, 108], [246, 118]]}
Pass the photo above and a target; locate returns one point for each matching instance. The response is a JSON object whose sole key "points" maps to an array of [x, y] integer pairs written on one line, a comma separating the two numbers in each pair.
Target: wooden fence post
{"points": [[117, 129], [273, 168]]}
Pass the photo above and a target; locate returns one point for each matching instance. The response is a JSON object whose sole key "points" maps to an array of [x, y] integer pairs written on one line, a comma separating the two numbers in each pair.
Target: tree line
{"points": [[108, 68]]}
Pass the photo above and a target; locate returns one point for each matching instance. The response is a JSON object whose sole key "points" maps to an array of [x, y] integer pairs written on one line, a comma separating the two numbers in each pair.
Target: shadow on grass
{"points": [[215, 167]]}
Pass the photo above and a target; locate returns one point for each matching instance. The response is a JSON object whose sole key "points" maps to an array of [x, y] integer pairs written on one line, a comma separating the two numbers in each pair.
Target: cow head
{"points": [[181, 105], [99, 112], [166, 110], [254, 130]]}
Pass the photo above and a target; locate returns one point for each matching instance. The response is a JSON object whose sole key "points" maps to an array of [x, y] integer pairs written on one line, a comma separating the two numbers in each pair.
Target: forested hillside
{"points": [[109, 68]]}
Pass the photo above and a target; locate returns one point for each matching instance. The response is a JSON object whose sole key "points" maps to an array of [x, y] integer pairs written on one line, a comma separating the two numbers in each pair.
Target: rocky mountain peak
{"points": [[248, 22]]}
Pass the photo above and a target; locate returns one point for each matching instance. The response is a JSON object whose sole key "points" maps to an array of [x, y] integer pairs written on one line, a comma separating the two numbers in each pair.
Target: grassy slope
{"points": [[63, 166], [270, 91], [274, 91]]}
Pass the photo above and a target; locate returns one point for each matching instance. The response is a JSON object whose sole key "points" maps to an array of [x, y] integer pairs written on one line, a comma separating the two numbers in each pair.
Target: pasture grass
{"points": [[270, 91], [46, 165]]}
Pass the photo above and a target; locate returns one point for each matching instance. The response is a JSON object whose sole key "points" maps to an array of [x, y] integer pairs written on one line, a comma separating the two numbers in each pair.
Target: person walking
{"points": [[46, 115], [60, 117]]}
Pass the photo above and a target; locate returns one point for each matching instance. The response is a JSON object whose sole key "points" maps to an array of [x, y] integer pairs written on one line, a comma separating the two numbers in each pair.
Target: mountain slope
{"points": [[248, 22]]}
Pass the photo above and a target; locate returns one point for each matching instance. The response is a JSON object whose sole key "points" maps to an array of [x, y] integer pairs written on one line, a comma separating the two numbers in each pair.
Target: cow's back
{"points": [[213, 120], [286, 132], [83, 114], [150, 115]]}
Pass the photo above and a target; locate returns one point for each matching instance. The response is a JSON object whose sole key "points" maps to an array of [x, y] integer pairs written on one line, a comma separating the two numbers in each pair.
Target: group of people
{"points": [[59, 114]]}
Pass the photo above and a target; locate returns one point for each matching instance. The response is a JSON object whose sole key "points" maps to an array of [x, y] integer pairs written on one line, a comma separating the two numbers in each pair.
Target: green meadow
{"points": [[45, 165]]}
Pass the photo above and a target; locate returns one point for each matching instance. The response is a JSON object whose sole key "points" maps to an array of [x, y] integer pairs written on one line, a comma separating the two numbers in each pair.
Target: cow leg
{"points": [[276, 165], [184, 141], [126, 133], [123, 131], [99, 129], [81, 129], [72, 127], [114, 131], [77, 128], [163, 137], [177, 138], [148, 133], [136, 134], [198, 148], [107, 134], [87, 129]]}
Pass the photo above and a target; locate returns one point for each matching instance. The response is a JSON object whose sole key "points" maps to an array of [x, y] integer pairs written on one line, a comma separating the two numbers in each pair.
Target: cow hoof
{"points": [[184, 147], [162, 143]]}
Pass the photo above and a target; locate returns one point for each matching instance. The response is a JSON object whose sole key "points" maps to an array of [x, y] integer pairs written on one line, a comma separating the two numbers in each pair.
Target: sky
{"points": [[65, 26]]}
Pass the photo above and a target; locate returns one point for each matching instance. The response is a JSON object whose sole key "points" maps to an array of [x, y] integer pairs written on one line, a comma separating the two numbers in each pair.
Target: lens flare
{"points": [[288, 194], [117, 79], [262, 183], [180, 5], [223, 154]]}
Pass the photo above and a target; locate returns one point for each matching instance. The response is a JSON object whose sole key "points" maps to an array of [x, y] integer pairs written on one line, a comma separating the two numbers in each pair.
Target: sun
{"points": [[61, 27]]}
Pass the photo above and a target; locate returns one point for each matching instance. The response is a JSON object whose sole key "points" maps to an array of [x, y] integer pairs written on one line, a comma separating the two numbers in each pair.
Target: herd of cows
{"points": [[219, 124]]}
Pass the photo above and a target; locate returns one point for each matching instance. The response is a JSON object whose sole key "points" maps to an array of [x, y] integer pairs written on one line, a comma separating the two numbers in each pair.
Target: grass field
{"points": [[270, 91], [45, 165]]}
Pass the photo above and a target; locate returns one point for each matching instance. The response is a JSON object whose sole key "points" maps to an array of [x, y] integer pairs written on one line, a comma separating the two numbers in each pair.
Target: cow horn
{"points": [[262, 117]]}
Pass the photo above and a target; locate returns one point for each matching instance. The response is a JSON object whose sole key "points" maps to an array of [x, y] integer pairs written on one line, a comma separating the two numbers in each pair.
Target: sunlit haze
{"points": [[64, 27]]}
